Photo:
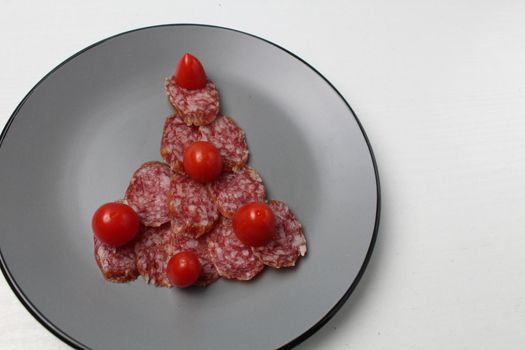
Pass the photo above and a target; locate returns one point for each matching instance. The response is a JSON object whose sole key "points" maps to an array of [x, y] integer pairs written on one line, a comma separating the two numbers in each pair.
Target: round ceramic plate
{"points": [[77, 137]]}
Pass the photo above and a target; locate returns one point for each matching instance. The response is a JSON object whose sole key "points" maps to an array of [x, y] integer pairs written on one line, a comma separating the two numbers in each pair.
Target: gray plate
{"points": [[77, 137]]}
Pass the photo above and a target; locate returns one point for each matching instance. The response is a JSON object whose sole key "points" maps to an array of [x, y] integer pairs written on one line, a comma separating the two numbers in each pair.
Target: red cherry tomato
{"points": [[115, 224], [254, 224], [183, 269], [189, 73], [202, 161]]}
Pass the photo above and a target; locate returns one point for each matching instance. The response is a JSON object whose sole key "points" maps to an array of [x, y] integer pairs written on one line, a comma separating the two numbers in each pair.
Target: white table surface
{"points": [[440, 89]]}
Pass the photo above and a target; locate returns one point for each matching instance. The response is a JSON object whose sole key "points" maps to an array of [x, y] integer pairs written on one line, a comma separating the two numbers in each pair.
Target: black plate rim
{"points": [[33, 310]]}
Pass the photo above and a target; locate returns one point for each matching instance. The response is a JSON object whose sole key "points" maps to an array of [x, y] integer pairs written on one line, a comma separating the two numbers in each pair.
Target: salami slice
{"points": [[191, 207], [153, 249], [147, 193], [289, 242], [176, 137], [196, 107], [232, 258], [198, 247], [117, 264], [230, 139], [233, 190]]}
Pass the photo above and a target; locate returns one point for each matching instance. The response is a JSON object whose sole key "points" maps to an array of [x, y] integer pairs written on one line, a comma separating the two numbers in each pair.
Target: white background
{"points": [[440, 89]]}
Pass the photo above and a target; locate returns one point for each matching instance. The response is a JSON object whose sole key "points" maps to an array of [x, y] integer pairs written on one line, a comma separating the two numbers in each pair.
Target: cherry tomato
{"points": [[183, 269], [115, 224], [189, 73], [202, 161], [254, 224]]}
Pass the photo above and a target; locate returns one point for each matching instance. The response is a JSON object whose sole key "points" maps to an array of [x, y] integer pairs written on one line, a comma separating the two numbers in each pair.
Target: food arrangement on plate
{"points": [[201, 215]]}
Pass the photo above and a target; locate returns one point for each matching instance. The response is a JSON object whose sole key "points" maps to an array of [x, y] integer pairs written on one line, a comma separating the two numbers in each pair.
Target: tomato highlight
{"points": [[189, 73], [202, 161], [254, 224], [183, 269], [115, 224]]}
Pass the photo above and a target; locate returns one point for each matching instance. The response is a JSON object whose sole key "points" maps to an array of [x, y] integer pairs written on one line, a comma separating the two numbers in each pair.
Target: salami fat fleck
{"points": [[191, 207], [289, 242], [176, 137], [117, 264], [230, 139], [233, 190], [199, 247], [153, 248], [232, 258], [147, 193], [196, 107]]}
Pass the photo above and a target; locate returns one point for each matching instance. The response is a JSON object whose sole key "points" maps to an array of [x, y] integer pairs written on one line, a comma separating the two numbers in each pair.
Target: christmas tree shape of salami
{"points": [[179, 214]]}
